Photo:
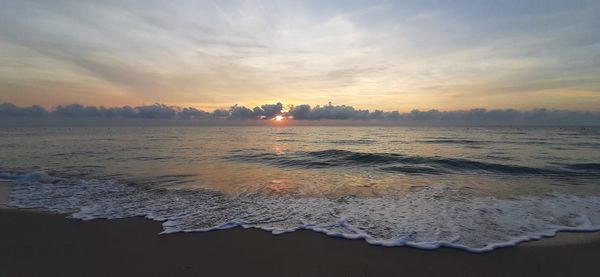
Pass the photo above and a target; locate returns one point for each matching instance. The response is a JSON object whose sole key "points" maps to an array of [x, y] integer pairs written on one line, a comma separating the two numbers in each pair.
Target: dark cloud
{"points": [[157, 111], [76, 110], [300, 112], [241, 112], [80, 111], [435, 117], [220, 113], [328, 111], [152, 111], [268, 110], [9, 109], [305, 112], [503, 117], [193, 113]]}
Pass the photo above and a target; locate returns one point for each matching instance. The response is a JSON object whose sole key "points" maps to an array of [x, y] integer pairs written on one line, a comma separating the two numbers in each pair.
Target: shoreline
{"points": [[59, 246], [564, 237]]}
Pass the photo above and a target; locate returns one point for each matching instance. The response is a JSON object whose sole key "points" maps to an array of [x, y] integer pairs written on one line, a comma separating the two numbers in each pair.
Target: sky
{"points": [[391, 55]]}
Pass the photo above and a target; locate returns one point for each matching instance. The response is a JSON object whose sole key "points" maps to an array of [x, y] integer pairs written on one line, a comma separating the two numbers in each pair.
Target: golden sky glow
{"points": [[447, 55]]}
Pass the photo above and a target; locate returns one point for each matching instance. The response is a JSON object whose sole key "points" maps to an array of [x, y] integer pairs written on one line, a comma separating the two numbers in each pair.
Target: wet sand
{"points": [[41, 244], [5, 187]]}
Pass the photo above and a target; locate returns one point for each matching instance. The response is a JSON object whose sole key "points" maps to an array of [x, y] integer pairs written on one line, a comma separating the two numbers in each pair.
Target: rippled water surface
{"points": [[472, 188]]}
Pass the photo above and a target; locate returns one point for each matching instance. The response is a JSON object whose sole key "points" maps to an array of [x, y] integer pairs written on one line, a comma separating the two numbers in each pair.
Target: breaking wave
{"points": [[392, 162], [426, 217]]}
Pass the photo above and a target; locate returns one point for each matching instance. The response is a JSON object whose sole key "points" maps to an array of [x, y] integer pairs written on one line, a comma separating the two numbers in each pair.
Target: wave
{"points": [[415, 170], [285, 133], [392, 162], [287, 140], [454, 141], [525, 141], [428, 217], [592, 167], [351, 141]]}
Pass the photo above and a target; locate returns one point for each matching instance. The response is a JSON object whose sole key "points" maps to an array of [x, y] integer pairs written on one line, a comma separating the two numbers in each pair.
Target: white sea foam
{"points": [[427, 217]]}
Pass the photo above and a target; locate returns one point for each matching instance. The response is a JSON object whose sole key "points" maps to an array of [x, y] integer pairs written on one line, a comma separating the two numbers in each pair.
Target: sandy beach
{"points": [[5, 187], [41, 244]]}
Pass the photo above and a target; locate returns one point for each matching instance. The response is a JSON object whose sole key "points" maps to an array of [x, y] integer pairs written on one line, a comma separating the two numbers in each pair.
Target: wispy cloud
{"points": [[410, 54]]}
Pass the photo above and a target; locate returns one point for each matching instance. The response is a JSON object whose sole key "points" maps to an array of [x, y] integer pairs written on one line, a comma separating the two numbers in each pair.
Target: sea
{"points": [[471, 188]]}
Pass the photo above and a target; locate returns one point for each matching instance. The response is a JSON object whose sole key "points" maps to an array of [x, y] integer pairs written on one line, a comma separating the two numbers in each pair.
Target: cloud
{"points": [[334, 112], [311, 115], [328, 111], [502, 117], [9, 109], [77, 110], [386, 54], [300, 112], [156, 111], [193, 113], [241, 112], [220, 113], [268, 110], [80, 111]]}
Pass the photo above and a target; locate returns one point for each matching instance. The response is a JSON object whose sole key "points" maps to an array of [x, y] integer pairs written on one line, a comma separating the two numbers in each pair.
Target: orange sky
{"points": [[371, 55]]}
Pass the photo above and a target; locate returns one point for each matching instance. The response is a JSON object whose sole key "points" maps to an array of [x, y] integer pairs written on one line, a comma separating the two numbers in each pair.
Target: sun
{"points": [[278, 118]]}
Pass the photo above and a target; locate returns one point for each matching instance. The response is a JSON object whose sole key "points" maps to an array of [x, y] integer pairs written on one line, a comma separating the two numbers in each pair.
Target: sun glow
{"points": [[278, 118]]}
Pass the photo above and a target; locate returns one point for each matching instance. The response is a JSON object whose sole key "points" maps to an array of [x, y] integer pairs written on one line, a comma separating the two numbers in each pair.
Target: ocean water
{"points": [[470, 188]]}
